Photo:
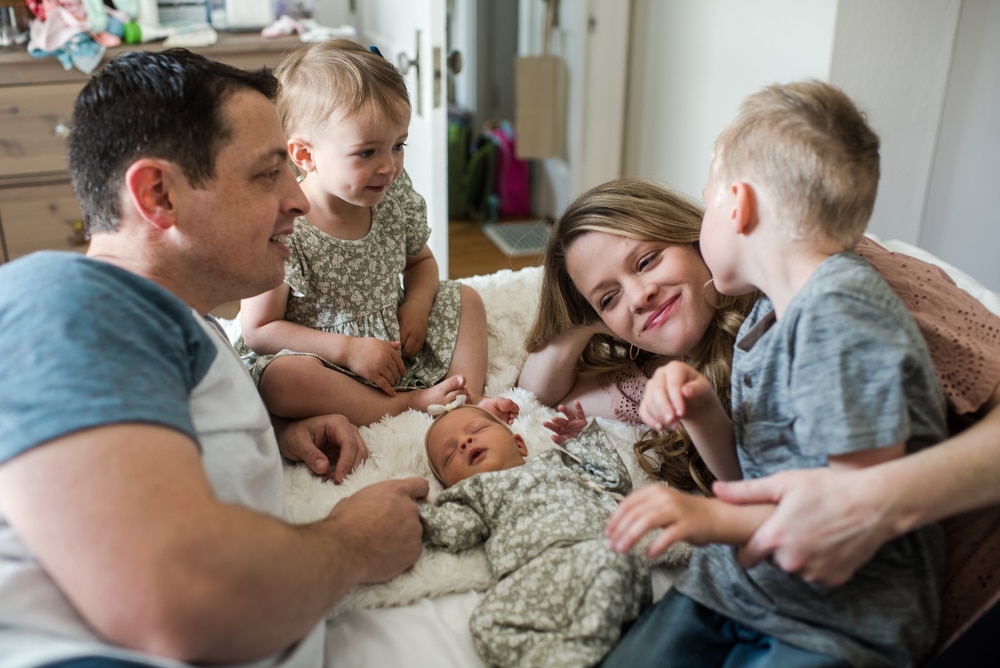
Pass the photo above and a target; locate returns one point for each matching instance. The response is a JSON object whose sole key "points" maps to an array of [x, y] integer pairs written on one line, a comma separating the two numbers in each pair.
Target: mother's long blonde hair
{"points": [[642, 210]]}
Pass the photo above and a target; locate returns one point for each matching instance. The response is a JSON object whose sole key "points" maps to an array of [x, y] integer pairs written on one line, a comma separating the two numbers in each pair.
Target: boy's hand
{"points": [[376, 361], [568, 427], [675, 392], [680, 516]]}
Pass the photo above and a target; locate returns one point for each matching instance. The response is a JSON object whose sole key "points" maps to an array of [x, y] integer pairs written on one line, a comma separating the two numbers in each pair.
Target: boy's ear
{"points": [[300, 152], [148, 183], [744, 210]]}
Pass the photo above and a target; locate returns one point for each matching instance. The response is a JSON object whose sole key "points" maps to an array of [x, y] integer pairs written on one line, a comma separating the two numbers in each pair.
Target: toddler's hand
{"points": [[568, 427], [376, 361], [676, 391]]}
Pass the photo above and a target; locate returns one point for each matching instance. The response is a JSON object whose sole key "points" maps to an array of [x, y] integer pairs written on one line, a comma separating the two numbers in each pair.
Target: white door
{"points": [[411, 34]]}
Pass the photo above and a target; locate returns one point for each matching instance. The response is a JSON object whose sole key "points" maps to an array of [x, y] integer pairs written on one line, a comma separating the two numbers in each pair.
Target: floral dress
{"points": [[353, 287]]}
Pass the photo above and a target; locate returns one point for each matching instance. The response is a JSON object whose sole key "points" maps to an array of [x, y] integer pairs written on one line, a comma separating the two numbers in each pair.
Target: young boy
{"points": [[560, 594], [829, 370]]}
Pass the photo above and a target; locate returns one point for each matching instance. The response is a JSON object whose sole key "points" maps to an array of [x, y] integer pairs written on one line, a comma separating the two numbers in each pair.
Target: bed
{"points": [[421, 617]]}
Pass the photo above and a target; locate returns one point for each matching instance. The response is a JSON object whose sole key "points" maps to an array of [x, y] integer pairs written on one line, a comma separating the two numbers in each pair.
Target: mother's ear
{"points": [[148, 183]]}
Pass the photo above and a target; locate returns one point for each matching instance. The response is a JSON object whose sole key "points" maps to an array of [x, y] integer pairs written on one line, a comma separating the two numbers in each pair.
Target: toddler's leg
{"points": [[469, 358], [299, 386]]}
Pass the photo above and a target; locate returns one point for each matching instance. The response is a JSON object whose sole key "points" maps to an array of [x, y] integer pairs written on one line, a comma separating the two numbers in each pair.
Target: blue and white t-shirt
{"points": [[85, 344]]}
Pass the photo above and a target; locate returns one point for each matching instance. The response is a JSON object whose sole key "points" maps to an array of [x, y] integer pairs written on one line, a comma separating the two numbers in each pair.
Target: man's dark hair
{"points": [[165, 105]]}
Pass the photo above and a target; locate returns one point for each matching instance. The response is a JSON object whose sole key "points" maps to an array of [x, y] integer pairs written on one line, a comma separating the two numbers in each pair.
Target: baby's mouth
{"points": [[476, 454]]}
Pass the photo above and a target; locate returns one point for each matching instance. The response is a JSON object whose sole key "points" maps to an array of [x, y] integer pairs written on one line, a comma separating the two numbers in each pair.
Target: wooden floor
{"points": [[471, 253]]}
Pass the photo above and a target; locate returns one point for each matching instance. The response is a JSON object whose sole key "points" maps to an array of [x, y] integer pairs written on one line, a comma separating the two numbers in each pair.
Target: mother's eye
{"points": [[647, 260]]}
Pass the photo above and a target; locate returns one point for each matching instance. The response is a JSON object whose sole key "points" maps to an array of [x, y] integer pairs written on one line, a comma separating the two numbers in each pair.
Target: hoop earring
{"points": [[633, 352]]}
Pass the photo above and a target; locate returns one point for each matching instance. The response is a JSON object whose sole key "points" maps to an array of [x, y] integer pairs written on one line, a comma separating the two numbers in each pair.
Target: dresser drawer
{"points": [[33, 125], [39, 218]]}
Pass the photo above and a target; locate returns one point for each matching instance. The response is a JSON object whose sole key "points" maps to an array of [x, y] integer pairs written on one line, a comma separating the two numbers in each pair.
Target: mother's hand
{"points": [[317, 440], [828, 522]]}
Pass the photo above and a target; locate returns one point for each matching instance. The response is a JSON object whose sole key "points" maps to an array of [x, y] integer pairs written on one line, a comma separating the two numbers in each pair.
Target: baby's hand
{"points": [[377, 362], [568, 427], [676, 391]]}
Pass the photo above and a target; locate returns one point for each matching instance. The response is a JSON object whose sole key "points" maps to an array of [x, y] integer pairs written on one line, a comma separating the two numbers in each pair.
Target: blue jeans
{"points": [[680, 633]]}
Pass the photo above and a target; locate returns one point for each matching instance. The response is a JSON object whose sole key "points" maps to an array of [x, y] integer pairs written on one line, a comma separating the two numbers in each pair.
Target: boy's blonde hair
{"points": [[427, 435], [337, 75], [812, 149]]}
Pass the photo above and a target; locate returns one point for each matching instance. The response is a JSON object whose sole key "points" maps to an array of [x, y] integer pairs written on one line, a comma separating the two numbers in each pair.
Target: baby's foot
{"points": [[443, 393], [504, 408]]}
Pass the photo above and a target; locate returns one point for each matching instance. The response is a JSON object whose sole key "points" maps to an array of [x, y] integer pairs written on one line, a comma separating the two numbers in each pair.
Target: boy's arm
{"points": [[679, 394], [681, 517]]}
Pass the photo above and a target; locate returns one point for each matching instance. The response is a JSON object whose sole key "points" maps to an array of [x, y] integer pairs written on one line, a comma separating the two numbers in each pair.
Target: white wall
{"points": [[961, 224], [693, 62], [893, 58]]}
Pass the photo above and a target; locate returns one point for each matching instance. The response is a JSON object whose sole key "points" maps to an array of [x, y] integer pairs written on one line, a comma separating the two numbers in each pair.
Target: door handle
{"points": [[406, 64]]}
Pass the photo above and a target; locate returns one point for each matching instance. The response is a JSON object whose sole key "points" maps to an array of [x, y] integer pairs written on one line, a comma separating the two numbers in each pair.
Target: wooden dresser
{"points": [[37, 207]]}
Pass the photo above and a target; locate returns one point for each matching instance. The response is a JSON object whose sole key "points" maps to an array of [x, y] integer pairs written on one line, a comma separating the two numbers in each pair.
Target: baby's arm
{"points": [[420, 286], [682, 517], [452, 525], [266, 332], [678, 394]]}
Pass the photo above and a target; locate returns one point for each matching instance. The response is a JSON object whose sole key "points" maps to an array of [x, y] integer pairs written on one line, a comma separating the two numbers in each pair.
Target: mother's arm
{"points": [[550, 372]]}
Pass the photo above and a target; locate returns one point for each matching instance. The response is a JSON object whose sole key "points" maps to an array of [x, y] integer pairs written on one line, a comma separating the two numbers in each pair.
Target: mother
{"points": [[604, 327]]}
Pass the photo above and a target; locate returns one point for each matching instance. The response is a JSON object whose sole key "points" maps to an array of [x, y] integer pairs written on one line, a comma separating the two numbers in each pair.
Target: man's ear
{"points": [[744, 210], [300, 151], [148, 183]]}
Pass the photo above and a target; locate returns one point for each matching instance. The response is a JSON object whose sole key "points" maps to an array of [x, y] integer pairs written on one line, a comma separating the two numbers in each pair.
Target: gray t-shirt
{"points": [[845, 369]]}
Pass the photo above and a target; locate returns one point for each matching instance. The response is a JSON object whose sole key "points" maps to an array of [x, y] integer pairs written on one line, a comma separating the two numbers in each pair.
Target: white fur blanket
{"points": [[396, 447]]}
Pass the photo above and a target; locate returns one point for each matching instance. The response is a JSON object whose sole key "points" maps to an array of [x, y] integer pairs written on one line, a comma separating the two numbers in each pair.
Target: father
{"points": [[140, 479]]}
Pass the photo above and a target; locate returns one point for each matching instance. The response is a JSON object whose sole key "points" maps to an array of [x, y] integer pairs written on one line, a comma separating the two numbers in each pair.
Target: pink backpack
{"points": [[513, 185]]}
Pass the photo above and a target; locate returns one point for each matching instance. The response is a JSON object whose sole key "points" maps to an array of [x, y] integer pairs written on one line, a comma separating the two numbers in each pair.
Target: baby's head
{"points": [[810, 147], [327, 80], [468, 440]]}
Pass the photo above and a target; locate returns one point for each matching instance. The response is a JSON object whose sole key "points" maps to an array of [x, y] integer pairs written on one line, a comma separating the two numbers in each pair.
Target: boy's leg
{"points": [[675, 632]]}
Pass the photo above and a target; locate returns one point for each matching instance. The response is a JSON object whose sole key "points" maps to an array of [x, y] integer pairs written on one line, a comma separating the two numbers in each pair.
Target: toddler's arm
{"points": [[678, 394], [420, 286], [695, 519], [266, 332]]}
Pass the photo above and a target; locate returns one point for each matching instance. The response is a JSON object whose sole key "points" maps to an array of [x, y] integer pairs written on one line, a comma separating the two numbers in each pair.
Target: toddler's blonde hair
{"points": [[338, 75]]}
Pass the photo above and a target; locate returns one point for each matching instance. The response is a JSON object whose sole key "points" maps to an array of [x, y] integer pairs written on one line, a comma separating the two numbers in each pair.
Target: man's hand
{"points": [[381, 523], [319, 440], [827, 523]]}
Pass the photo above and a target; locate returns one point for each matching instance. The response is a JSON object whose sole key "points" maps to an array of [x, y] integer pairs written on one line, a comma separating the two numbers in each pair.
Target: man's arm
{"points": [[125, 522]]}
